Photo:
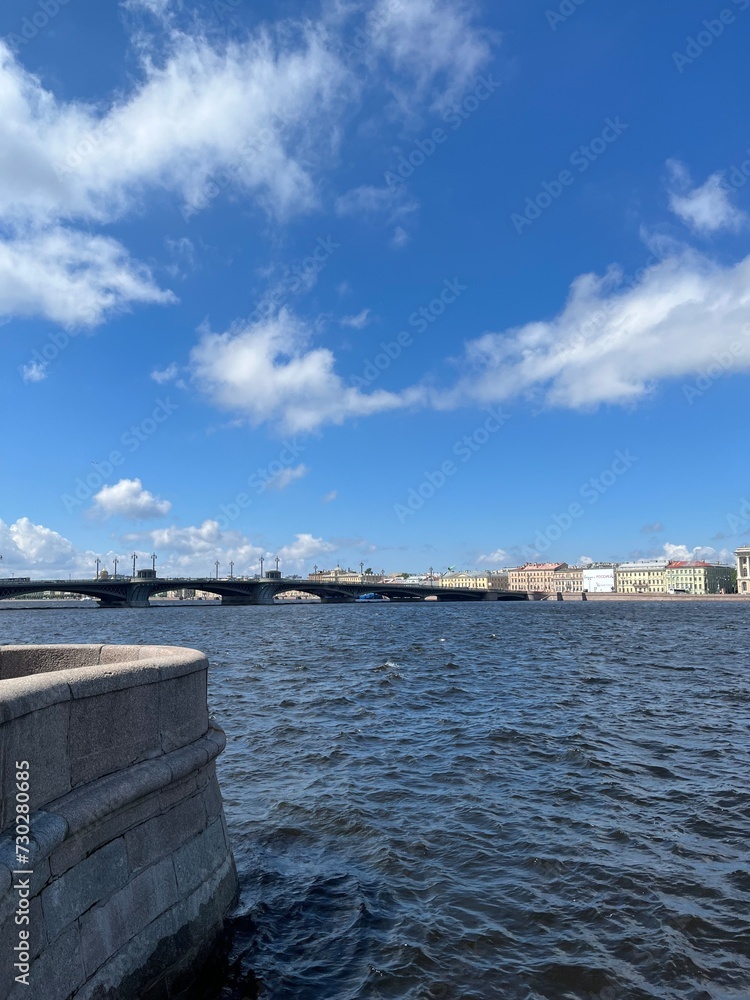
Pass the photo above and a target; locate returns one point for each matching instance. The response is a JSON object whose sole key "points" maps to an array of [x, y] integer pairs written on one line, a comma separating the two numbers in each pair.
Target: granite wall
{"points": [[116, 870]]}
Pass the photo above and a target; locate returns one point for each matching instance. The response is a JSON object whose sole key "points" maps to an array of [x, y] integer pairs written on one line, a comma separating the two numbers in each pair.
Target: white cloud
{"points": [[34, 371], [256, 118], [168, 374], [393, 199], [611, 343], [330, 497], [434, 45], [128, 499], [286, 477], [701, 553], [71, 278], [707, 208], [299, 553], [400, 238], [268, 372], [585, 561], [497, 558], [358, 322], [28, 546], [193, 550]]}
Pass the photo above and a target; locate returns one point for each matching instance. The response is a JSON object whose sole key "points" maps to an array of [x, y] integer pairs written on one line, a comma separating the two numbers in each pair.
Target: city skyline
{"points": [[329, 286]]}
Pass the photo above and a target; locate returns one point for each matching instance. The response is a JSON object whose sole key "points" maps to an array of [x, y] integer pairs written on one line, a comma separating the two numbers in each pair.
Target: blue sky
{"points": [[413, 283]]}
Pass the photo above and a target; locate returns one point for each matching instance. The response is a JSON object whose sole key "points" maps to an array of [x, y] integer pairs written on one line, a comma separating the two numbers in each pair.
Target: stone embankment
{"points": [[116, 871]]}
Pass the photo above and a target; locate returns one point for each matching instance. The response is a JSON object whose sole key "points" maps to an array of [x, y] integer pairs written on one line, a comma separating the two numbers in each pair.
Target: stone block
{"points": [[212, 798], [101, 798], [110, 731], [93, 880], [119, 654], [199, 857], [22, 661], [57, 973], [163, 834], [177, 791], [183, 710], [140, 962], [41, 738], [94, 836], [107, 928]]}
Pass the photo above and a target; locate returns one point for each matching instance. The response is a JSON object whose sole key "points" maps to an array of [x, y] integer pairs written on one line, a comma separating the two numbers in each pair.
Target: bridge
{"points": [[135, 592]]}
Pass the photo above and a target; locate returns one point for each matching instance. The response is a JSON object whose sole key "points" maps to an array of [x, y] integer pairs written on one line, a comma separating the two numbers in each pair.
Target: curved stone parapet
{"points": [[116, 870]]}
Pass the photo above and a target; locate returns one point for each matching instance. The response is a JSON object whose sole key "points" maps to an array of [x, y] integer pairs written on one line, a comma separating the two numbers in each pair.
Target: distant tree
{"points": [[368, 571]]}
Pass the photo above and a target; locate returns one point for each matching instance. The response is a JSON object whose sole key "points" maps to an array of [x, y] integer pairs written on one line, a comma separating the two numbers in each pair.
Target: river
{"points": [[534, 801]]}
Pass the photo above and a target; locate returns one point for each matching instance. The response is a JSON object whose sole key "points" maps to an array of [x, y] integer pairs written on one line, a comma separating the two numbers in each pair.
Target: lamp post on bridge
{"points": [[231, 570], [361, 571], [98, 564], [135, 557], [153, 563], [261, 567], [216, 564], [277, 564], [115, 561]]}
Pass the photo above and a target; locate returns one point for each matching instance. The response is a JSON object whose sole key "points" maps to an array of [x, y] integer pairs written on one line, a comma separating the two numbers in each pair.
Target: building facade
{"points": [[476, 581], [569, 580], [646, 576], [743, 569], [599, 579], [535, 576], [700, 578]]}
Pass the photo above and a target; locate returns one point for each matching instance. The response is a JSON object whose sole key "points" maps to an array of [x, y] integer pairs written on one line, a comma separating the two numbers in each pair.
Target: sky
{"points": [[406, 283]]}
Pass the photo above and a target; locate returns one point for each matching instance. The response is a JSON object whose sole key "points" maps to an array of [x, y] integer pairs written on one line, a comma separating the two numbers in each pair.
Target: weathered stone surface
{"points": [[183, 710], [110, 731], [143, 959], [165, 833], [94, 879], [199, 857], [107, 928], [57, 973], [132, 871], [16, 662], [41, 738]]}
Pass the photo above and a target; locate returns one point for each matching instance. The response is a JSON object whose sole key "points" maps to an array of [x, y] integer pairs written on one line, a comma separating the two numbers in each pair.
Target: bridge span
{"points": [[127, 592]]}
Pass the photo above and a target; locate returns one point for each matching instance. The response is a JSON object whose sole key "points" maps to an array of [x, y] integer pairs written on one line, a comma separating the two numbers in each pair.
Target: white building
{"points": [[743, 569], [599, 579]]}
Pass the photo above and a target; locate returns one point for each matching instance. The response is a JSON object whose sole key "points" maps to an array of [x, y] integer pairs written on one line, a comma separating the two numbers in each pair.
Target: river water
{"points": [[473, 801]]}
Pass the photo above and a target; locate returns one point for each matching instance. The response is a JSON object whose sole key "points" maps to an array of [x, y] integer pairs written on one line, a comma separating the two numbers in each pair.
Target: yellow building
{"points": [[535, 576], [646, 576], [700, 578], [476, 581]]}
